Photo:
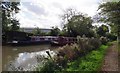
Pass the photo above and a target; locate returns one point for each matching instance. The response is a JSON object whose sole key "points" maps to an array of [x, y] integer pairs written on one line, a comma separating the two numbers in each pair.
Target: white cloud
{"points": [[45, 13]]}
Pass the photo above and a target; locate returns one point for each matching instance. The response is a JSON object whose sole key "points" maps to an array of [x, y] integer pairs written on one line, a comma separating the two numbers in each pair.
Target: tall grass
{"points": [[85, 55], [90, 62]]}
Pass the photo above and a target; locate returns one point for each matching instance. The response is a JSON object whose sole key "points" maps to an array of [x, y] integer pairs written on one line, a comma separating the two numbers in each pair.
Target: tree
{"points": [[63, 33], [66, 17], [37, 31], [9, 22], [103, 30], [55, 31], [113, 29], [110, 12], [76, 23], [15, 24]]}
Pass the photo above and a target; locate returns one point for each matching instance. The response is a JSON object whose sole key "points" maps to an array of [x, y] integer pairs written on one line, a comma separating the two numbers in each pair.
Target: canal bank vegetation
{"points": [[86, 55], [74, 23], [90, 62], [88, 52]]}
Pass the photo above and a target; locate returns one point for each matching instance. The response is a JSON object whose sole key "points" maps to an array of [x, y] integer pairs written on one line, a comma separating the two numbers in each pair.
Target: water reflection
{"points": [[28, 61], [25, 58]]}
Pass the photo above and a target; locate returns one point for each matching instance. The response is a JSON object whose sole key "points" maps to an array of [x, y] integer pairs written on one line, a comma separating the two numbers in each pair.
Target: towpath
{"points": [[111, 59]]}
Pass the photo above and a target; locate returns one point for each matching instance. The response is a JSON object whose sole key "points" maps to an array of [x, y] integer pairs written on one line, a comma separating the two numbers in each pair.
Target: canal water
{"points": [[24, 58]]}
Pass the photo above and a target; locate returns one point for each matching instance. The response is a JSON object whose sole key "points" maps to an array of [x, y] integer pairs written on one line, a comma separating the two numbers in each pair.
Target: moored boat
{"points": [[64, 41], [53, 40], [33, 40]]}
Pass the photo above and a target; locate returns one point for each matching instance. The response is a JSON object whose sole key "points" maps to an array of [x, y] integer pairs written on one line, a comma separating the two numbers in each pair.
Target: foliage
{"points": [[88, 44], [95, 43], [113, 29], [110, 43], [9, 22], [110, 12], [63, 33], [48, 67], [76, 23], [111, 37], [66, 61], [15, 24], [69, 56], [68, 51], [90, 62], [103, 40], [37, 31], [102, 30], [55, 31], [8, 19]]}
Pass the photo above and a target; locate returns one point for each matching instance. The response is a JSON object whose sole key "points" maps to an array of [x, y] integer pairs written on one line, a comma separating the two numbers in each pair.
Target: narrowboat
{"points": [[53, 40], [34, 40], [63, 41]]}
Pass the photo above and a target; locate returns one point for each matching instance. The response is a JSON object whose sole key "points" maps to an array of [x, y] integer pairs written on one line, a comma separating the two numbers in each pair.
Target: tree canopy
{"points": [[55, 31], [103, 30], [37, 31], [9, 22], [110, 14], [77, 23]]}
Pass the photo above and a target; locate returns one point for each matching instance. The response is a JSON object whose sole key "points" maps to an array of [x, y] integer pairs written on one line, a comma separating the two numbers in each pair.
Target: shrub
{"points": [[61, 61], [50, 67], [94, 43], [72, 52], [90, 62], [110, 43], [83, 44], [69, 52], [111, 37], [103, 40], [88, 44]]}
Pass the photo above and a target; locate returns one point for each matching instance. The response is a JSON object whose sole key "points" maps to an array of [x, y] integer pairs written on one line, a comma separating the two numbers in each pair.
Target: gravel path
{"points": [[111, 59]]}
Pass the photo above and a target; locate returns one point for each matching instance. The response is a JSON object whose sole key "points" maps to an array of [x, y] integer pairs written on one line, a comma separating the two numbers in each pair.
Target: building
{"points": [[30, 30]]}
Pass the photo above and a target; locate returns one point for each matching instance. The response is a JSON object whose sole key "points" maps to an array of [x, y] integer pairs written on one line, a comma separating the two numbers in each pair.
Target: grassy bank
{"points": [[85, 55], [90, 62]]}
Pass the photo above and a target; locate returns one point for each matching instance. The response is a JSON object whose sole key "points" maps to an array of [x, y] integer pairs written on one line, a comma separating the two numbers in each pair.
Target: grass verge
{"points": [[90, 62]]}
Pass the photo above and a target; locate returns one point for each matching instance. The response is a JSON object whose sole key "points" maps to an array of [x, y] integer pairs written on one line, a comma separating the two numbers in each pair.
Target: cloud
{"points": [[45, 13], [37, 9]]}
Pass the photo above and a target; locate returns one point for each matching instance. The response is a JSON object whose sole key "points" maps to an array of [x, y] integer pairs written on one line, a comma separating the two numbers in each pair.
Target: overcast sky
{"points": [[45, 13]]}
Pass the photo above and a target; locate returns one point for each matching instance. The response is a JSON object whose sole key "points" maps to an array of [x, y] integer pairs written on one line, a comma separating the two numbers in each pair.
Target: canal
{"points": [[20, 54]]}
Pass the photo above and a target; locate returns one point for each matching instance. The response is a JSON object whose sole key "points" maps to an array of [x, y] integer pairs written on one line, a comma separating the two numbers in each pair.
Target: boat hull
{"points": [[20, 43]]}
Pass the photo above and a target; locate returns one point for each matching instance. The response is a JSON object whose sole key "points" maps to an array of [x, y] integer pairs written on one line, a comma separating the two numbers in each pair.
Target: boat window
{"points": [[33, 38], [46, 38], [41, 38], [53, 39]]}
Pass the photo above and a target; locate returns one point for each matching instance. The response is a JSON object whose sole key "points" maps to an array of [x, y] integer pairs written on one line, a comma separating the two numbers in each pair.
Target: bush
{"points": [[50, 67], [103, 40], [95, 43], [110, 43], [90, 62], [69, 53], [111, 37], [88, 44], [83, 44]]}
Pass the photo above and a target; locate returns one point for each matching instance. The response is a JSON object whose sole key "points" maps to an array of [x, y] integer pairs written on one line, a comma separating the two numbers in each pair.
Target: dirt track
{"points": [[111, 59]]}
